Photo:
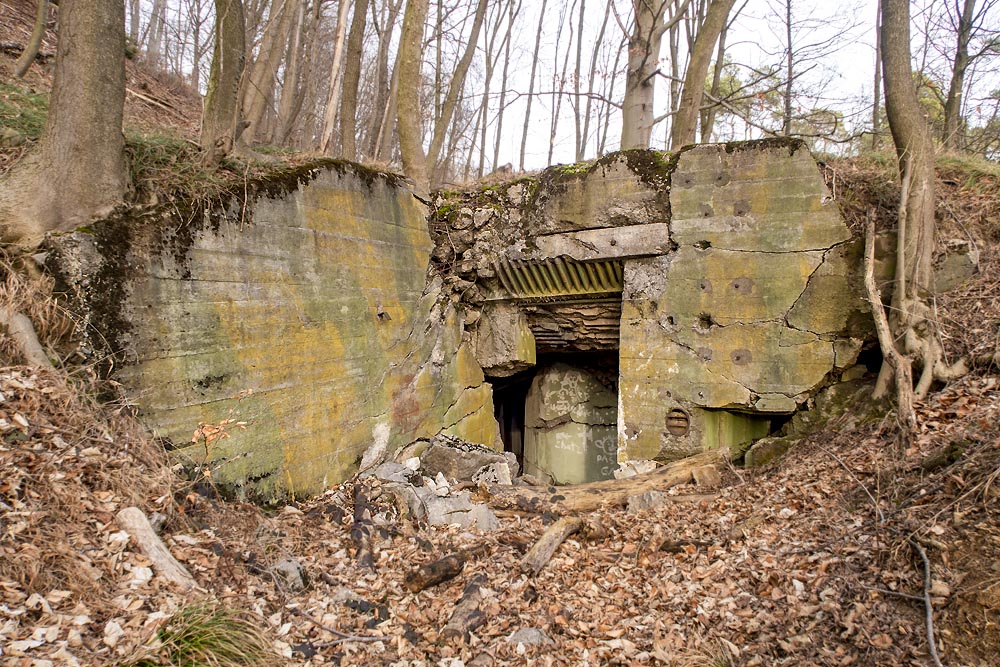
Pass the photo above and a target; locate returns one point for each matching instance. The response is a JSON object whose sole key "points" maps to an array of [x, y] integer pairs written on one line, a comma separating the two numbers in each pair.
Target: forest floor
{"points": [[813, 560]]}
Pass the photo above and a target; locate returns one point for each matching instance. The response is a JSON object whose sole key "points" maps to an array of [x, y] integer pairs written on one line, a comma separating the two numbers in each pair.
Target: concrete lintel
{"points": [[607, 243]]}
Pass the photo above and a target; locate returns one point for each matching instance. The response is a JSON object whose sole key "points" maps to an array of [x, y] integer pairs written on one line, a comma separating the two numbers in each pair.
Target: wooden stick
{"points": [[900, 364], [467, 615], [435, 572], [928, 606], [134, 522], [591, 496], [539, 555]]}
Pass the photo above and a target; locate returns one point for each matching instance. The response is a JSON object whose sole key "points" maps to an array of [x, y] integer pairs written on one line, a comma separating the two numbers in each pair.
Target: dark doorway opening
{"points": [[508, 409], [510, 393]]}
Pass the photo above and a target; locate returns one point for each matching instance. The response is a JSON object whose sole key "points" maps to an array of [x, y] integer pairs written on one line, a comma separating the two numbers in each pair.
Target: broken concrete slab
{"points": [[457, 459]]}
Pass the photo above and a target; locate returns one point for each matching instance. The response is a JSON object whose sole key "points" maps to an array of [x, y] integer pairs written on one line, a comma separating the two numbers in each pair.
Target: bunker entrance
{"points": [[560, 417]]}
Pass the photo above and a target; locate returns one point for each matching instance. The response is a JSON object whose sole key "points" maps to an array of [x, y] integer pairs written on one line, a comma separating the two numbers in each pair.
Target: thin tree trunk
{"points": [[577, 76], [608, 95], [385, 85], [490, 65], [877, 88], [557, 89], [220, 124], [35, 41], [953, 103], [686, 118], [455, 88], [588, 108], [352, 77], [786, 128], [290, 84], [155, 33], [708, 115], [531, 84], [498, 134], [408, 64], [333, 100], [260, 83], [643, 53], [133, 21]]}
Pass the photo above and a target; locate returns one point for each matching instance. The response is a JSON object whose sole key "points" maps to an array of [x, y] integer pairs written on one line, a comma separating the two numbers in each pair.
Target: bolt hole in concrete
{"points": [[560, 418], [705, 322]]}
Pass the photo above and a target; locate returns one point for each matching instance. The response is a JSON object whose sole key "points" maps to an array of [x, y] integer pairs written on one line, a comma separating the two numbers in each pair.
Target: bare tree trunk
{"points": [[650, 24], [912, 320], [133, 21], [588, 108], [686, 118], [76, 172], [953, 103], [352, 76], [786, 127], [708, 115], [512, 12], [290, 85], [155, 33], [877, 88], [531, 84], [220, 124], [35, 41], [260, 84], [455, 88], [608, 94], [408, 110], [485, 106], [577, 77], [333, 100], [557, 89], [384, 106]]}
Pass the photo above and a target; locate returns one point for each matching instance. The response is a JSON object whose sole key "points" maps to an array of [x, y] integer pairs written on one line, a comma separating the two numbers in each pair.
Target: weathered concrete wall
{"points": [[570, 433], [314, 301], [724, 276], [751, 312]]}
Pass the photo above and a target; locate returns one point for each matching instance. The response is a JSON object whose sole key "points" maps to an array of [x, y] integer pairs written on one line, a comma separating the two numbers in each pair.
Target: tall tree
{"points": [[649, 22], [259, 85], [408, 112], [221, 123], [967, 20], [77, 170], [352, 76], [333, 99], [685, 121], [531, 84], [911, 319]]}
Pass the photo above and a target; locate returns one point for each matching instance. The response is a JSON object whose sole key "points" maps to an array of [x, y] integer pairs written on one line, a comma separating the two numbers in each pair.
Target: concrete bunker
{"points": [[720, 287]]}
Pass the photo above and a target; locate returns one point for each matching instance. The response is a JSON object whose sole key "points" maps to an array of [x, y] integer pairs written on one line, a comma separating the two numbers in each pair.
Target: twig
{"points": [[344, 637], [878, 510], [928, 606]]}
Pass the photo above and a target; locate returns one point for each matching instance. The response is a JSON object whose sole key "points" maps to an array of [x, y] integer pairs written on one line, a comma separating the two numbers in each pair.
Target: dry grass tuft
{"points": [[205, 634]]}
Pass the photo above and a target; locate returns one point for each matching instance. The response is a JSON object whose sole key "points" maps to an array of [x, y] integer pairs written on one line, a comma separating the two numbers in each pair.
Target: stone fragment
{"points": [[457, 509], [766, 450], [707, 476], [390, 472], [529, 636], [646, 501], [958, 262], [632, 468], [495, 473], [291, 573], [457, 459]]}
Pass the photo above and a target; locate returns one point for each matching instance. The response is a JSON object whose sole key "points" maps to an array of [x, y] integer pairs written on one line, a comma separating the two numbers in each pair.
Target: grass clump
{"points": [[204, 634], [23, 111]]}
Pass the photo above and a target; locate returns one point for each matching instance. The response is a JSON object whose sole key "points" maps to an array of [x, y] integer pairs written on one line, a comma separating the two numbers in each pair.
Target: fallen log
{"points": [[442, 569], [435, 572], [134, 522], [593, 495], [539, 555], [467, 615]]}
